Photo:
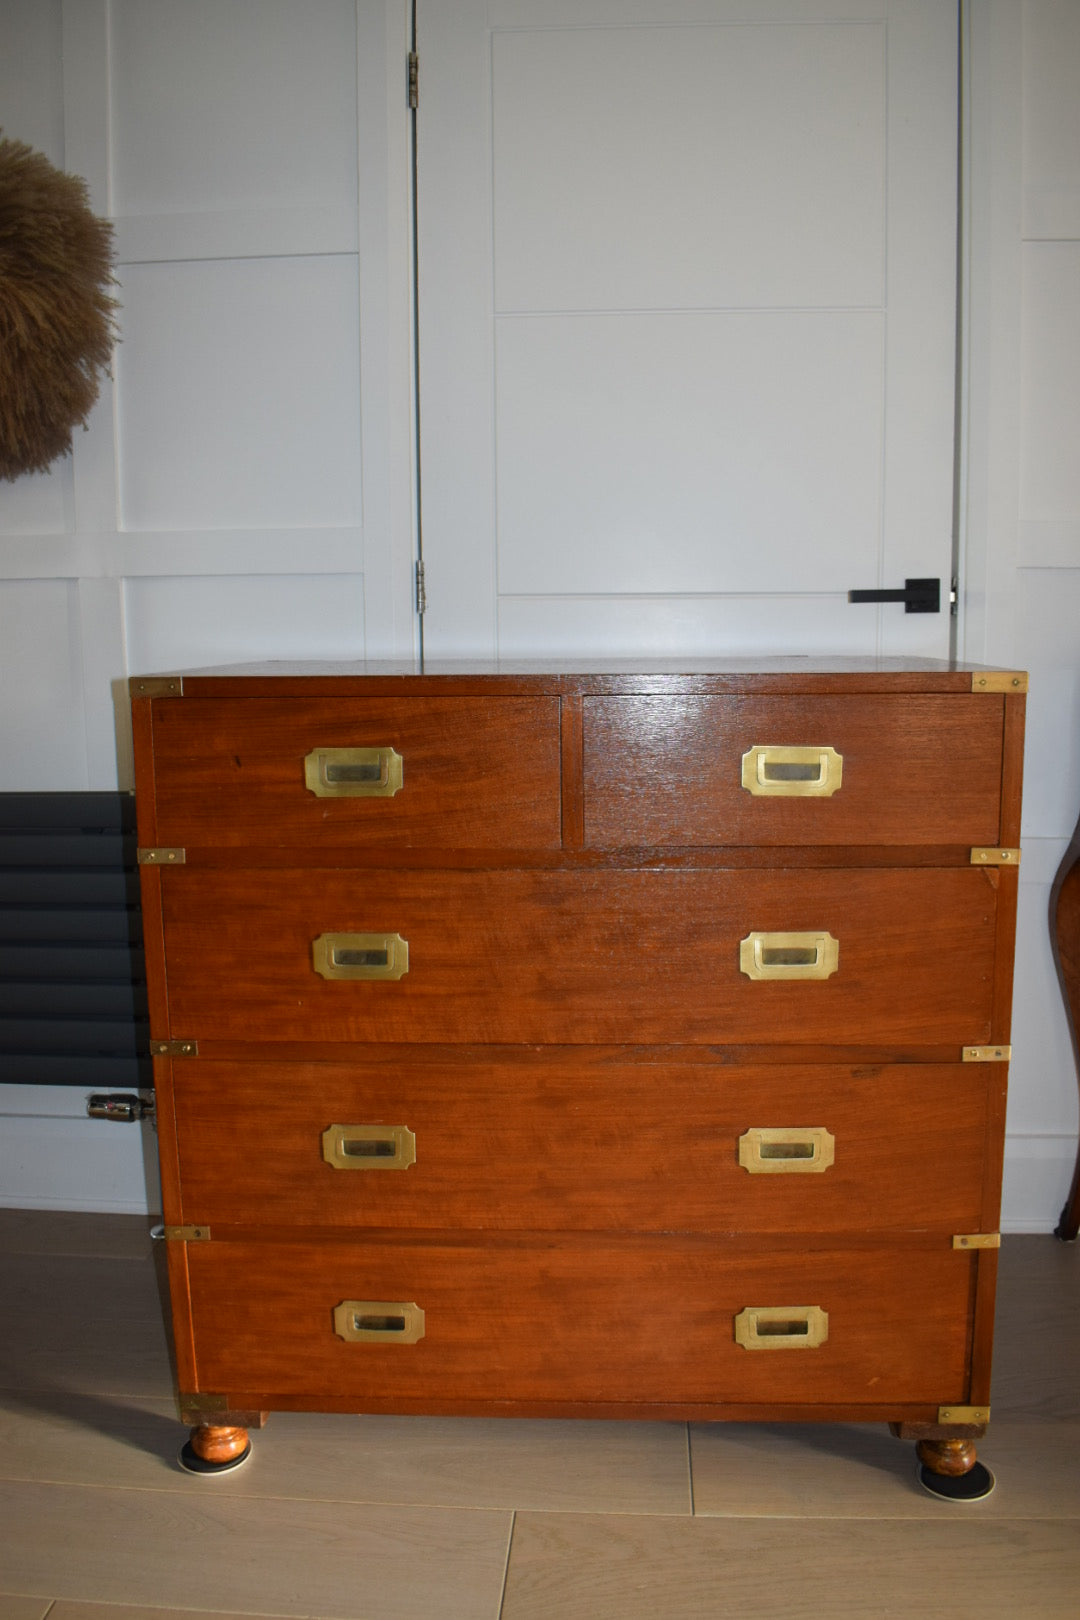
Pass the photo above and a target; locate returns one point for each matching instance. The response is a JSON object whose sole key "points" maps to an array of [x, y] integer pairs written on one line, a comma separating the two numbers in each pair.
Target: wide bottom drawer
{"points": [[561, 1142], [610, 1320]]}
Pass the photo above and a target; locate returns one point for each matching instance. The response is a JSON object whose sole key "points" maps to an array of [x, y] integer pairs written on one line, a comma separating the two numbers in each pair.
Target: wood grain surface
{"points": [[475, 772], [549, 1145], [572, 957], [915, 770], [574, 862], [585, 1319]]}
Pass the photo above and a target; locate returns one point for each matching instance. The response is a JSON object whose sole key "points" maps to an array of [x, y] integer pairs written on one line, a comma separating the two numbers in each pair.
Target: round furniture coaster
{"points": [[973, 1486], [189, 1459]]}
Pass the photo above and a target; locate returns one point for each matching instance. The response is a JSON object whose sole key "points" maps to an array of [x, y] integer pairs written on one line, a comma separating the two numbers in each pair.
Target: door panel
{"points": [[773, 203], [763, 427], [687, 284]]}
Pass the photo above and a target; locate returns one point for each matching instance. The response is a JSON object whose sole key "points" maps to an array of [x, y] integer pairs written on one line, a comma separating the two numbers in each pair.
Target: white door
{"points": [[686, 337]]}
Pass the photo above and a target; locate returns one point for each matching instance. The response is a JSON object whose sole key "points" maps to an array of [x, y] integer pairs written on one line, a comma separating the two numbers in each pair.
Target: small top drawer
{"points": [[701, 770], [441, 772]]}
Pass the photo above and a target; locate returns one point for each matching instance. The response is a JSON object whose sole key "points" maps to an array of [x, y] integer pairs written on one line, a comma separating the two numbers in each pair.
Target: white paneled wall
{"points": [[219, 507], [245, 489], [1022, 579], [252, 365]]}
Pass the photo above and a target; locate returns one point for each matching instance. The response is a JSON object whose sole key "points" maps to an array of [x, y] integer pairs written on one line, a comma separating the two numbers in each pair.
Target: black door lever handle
{"points": [[918, 596]]}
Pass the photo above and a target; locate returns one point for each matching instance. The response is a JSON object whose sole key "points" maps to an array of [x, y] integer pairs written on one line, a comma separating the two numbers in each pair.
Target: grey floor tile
{"points": [[82, 1322], [603, 1568], [545, 1465], [860, 1471], [448, 1462], [226, 1555], [90, 1440], [55, 1231], [23, 1608], [139, 1611], [1037, 1332]]}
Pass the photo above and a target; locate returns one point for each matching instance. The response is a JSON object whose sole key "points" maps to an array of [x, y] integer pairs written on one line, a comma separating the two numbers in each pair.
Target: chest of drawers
{"points": [[623, 1043]]}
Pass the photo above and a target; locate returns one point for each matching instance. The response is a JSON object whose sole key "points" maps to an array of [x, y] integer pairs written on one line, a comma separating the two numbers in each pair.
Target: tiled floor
{"points": [[349, 1518]]}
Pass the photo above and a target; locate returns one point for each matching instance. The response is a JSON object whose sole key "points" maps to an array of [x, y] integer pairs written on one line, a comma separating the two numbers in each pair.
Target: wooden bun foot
{"points": [[952, 1457], [949, 1469], [215, 1449]]}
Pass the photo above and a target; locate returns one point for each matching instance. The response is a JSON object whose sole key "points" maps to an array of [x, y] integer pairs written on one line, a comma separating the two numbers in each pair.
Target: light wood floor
{"points": [[352, 1518]]}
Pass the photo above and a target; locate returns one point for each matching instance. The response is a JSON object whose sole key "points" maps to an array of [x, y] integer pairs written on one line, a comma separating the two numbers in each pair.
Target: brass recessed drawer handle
{"points": [[772, 771], [360, 956], [354, 773], [789, 956], [782, 1327], [771, 1150], [378, 1321], [369, 1147]]}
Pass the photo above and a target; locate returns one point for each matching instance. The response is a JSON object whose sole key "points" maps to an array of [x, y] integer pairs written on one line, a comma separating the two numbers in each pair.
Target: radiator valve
{"points": [[122, 1107]]}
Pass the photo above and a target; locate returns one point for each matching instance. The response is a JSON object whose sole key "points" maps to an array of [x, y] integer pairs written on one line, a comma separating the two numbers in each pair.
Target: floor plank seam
{"points": [[690, 1470], [186, 1493], [506, 1566]]}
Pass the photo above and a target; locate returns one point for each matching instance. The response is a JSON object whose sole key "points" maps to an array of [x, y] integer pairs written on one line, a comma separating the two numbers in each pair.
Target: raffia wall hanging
{"points": [[57, 320]]}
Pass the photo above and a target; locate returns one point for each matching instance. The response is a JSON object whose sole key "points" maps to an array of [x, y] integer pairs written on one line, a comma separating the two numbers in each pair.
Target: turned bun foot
{"points": [[949, 1469], [215, 1449]]}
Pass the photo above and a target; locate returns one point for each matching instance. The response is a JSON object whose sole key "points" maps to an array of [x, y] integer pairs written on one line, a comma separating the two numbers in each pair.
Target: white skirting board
{"points": [[53, 1157], [1038, 1175]]}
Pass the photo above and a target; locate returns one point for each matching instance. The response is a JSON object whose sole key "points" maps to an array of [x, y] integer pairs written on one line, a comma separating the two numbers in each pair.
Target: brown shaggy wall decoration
{"points": [[57, 324]]}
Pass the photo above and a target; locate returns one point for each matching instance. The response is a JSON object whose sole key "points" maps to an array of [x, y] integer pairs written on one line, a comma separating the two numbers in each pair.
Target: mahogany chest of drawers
{"points": [[625, 1043]]}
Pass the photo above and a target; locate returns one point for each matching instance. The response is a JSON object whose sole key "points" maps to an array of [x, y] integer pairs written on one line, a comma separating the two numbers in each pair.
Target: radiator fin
{"points": [[72, 986]]}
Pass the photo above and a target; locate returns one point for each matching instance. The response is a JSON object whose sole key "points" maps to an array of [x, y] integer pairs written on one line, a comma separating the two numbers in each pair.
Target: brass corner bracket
{"points": [[200, 1403], [963, 1414], [156, 686], [1000, 680]]}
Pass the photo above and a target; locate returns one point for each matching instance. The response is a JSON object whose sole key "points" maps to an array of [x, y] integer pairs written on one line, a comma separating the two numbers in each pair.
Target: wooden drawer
{"points": [[613, 1319], [574, 956], [563, 1141], [913, 770], [475, 772]]}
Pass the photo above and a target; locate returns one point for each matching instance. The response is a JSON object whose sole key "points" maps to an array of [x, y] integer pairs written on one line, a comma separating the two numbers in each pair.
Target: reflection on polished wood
{"points": [[217, 1443]]}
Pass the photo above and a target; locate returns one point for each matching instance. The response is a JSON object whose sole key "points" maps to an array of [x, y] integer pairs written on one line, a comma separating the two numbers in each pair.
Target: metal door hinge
{"points": [[421, 589], [162, 857], [156, 686], [977, 1240], [995, 857], [1000, 680], [954, 597], [180, 1234], [963, 1414], [987, 1054], [174, 1048], [414, 80]]}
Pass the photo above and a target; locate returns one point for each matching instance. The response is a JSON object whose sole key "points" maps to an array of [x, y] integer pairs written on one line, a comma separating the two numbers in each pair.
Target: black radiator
{"points": [[72, 986]]}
